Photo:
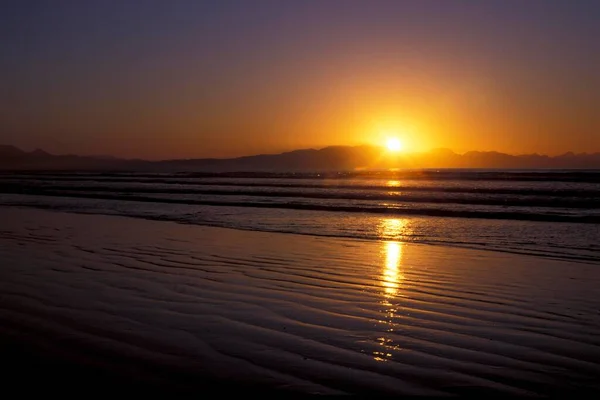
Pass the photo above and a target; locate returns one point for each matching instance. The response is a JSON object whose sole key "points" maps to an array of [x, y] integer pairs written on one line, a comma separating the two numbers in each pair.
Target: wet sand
{"points": [[159, 306]]}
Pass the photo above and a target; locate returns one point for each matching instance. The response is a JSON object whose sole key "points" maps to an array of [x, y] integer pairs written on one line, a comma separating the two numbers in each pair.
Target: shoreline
{"points": [[540, 253], [265, 311]]}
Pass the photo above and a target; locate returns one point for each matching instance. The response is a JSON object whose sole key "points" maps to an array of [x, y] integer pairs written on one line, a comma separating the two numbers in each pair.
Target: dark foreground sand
{"points": [[108, 304]]}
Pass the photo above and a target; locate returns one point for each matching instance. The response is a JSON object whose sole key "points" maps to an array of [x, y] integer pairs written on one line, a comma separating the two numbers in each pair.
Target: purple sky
{"points": [[162, 79]]}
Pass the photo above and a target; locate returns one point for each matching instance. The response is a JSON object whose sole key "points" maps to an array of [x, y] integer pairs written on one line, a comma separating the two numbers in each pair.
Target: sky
{"points": [[176, 79]]}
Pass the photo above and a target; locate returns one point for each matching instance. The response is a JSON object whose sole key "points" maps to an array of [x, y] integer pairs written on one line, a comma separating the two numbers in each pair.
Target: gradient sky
{"points": [[169, 79]]}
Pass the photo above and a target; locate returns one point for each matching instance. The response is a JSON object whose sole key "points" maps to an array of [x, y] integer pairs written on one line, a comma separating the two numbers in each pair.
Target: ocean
{"points": [[549, 213], [370, 283]]}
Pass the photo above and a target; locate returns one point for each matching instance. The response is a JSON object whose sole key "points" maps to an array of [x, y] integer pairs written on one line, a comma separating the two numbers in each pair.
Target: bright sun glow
{"points": [[394, 144]]}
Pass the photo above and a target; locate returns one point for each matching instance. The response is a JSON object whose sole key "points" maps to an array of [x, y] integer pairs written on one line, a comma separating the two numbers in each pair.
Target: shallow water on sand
{"points": [[545, 212], [316, 315]]}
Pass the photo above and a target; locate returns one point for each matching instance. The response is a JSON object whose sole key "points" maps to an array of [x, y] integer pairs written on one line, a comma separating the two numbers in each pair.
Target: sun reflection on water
{"points": [[391, 273], [394, 229], [391, 279]]}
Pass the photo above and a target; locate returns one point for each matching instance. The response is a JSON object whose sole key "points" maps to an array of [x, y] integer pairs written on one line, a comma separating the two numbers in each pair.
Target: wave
{"points": [[587, 176], [385, 209], [573, 241], [390, 195], [394, 185]]}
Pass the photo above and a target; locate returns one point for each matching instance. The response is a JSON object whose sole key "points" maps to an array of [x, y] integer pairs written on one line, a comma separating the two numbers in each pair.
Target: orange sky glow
{"points": [[222, 80]]}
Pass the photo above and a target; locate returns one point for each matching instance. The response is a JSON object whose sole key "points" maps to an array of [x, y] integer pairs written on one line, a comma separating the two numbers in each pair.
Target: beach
{"points": [[181, 307]]}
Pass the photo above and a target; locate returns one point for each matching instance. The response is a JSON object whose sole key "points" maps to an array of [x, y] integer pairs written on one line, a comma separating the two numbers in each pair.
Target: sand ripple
{"points": [[315, 315]]}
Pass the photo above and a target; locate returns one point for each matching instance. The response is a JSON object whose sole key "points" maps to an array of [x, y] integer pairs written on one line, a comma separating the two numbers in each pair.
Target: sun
{"points": [[393, 144]]}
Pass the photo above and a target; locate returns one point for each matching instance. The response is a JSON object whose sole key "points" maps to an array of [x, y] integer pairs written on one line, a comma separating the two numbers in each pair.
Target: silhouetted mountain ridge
{"points": [[333, 158]]}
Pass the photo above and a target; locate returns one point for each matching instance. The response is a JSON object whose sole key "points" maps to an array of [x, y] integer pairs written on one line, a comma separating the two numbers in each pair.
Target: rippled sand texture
{"points": [[302, 313]]}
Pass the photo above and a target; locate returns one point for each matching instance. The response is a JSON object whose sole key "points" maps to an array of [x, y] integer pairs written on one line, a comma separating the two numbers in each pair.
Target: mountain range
{"points": [[333, 158]]}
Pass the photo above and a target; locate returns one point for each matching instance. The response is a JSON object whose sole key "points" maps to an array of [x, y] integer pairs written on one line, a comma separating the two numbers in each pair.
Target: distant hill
{"points": [[7, 152], [334, 158]]}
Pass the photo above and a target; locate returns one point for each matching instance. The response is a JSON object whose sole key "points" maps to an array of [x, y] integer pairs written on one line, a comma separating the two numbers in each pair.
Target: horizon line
{"points": [[397, 154]]}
